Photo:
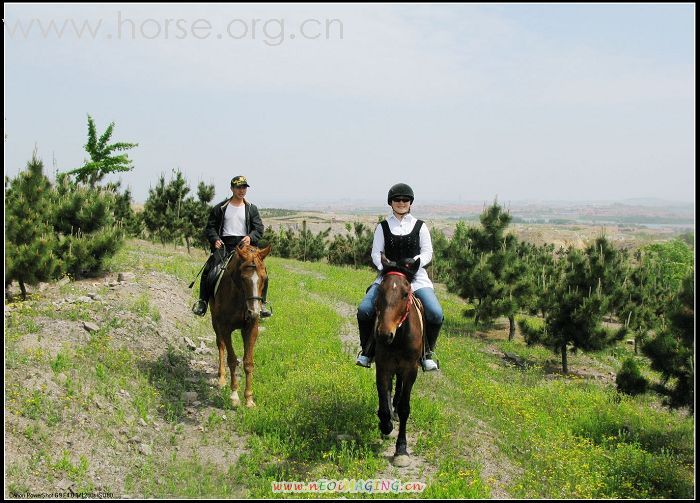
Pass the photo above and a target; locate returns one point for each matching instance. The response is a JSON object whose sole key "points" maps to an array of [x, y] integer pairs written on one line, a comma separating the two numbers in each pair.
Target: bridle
{"points": [[410, 295]]}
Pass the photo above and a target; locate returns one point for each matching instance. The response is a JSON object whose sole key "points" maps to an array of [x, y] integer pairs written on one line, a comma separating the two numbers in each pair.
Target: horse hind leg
{"points": [[397, 396], [222, 356]]}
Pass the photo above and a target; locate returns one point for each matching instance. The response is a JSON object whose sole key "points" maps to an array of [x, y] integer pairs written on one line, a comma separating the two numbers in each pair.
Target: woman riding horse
{"points": [[401, 238], [399, 345]]}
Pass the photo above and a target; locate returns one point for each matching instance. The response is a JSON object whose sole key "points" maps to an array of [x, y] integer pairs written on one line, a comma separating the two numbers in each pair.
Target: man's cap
{"points": [[239, 181]]}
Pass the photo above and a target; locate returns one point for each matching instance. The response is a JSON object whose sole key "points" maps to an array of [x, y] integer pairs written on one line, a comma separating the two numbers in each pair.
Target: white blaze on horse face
{"points": [[256, 303]]}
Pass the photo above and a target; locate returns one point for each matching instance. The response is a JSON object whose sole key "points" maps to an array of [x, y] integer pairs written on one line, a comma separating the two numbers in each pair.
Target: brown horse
{"points": [[399, 346], [237, 304]]}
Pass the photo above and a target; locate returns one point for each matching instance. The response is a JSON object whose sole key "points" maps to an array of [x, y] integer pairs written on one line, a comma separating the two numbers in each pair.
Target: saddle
{"points": [[215, 275]]}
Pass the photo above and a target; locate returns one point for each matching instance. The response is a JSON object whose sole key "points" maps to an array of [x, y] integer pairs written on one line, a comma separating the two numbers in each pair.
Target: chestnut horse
{"points": [[237, 304], [399, 347]]}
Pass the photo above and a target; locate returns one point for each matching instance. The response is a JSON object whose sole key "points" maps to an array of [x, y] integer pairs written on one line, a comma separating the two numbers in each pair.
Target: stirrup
{"points": [[264, 313], [429, 363], [200, 307], [363, 361]]}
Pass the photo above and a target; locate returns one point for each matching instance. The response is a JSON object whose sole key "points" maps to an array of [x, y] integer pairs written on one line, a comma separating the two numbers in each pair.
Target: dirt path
{"points": [[418, 469], [476, 439]]}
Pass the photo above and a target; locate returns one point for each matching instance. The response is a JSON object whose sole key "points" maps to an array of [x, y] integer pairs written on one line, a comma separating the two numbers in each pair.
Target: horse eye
{"points": [[405, 296]]}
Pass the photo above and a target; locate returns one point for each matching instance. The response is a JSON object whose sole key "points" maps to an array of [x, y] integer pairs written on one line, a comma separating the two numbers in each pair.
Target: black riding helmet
{"points": [[400, 189]]}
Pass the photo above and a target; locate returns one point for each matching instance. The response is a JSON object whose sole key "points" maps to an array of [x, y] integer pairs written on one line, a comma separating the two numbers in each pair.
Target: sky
{"points": [[319, 103]]}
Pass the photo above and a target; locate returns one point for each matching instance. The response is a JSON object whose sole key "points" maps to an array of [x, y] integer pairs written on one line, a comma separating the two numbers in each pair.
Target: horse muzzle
{"points": [[385, 337], [254, 307]]}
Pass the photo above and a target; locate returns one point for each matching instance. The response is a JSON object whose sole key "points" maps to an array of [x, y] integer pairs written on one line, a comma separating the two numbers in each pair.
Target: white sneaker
{"points": [[429, 365], [364, 361]]}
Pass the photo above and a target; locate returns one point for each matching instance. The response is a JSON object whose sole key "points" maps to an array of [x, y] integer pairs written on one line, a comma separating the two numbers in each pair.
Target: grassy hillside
{"points": [[106, 411]]}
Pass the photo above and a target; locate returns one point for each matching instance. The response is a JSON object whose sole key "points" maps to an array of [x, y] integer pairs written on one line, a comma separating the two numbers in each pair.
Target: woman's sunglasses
{"points": [[401, 200]]}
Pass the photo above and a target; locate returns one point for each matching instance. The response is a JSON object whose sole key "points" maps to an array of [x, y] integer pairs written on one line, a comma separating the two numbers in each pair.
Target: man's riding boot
{"points": [[431, 334], [265, 312], [366, 356], [200, 307]]}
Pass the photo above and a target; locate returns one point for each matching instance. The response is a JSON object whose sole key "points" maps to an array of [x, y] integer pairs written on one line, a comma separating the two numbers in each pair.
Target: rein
{"points": [[410, 296]]}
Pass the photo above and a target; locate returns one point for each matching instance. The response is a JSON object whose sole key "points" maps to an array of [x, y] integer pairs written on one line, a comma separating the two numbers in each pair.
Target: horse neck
{"points": [[229, 276]]}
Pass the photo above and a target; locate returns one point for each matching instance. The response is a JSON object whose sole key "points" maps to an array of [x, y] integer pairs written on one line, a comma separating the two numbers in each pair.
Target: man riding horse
{"points": [[232, 222], [401, 237]]}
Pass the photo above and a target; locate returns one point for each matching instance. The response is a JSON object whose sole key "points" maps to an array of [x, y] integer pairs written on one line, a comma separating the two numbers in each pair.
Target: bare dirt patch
{"points": [[62, 432]]}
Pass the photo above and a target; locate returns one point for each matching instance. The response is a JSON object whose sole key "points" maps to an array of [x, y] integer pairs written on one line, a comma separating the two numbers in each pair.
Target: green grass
{"points": [[142, 307], [562, 437]]}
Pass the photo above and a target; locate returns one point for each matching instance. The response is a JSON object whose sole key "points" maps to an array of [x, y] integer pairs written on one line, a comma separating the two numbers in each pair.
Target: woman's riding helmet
{"points": [[398, 190]]}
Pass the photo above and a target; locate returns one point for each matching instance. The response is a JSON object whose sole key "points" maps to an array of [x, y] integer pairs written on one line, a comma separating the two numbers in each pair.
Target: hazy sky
{"points": [[338, 102]]}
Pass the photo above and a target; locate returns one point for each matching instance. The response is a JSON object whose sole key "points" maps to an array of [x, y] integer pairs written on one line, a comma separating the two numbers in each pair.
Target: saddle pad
{"points": [[219, 275]]}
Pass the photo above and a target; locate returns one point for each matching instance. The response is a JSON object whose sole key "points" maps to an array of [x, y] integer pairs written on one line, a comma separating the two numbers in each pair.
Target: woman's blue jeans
{"points": [[433, 309]]}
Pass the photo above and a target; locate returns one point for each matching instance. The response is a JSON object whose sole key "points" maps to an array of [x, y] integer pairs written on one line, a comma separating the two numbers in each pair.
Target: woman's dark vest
{"points": [[401, 247]]}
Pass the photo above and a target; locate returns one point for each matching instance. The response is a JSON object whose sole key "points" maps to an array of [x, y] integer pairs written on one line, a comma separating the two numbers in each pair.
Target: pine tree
{"points": [[29, 237], [171, 216], [353, 248], [672, 350], [582, 296], [156, 211], [439, 270], [84, 222], [310, 247], [180, 224], [124, 214], [196, 214], [642, 293], [488, 268]]}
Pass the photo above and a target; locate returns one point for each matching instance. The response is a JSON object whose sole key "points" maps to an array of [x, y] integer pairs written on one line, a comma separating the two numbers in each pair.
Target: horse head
{"points": [[250, 275], [395, 297]]}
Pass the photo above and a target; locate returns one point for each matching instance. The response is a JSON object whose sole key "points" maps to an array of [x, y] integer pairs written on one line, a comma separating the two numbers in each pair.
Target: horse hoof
{"points": [[386, 428], [401, 460], [222, 383], [250, 404], [235, 401]]}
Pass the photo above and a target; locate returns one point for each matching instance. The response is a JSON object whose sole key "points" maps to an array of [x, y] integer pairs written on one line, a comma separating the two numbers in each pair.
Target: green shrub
{"points": [[630, 380], [532, 329]]}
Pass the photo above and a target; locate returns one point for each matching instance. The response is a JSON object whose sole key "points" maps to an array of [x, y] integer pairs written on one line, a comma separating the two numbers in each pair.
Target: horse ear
{"points": [[386, 262], [415, 266], [265, 251]]}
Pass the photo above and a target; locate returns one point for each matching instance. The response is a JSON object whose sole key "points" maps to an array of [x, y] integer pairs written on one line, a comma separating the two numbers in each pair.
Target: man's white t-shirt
{"points": [[234, 221]]}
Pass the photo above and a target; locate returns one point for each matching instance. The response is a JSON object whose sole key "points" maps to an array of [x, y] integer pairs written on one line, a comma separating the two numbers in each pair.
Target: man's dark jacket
{"points": [[215, 224]]}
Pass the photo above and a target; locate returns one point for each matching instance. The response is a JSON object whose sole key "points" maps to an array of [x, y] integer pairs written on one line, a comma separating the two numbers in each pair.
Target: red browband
{"points": [[410, 296]]}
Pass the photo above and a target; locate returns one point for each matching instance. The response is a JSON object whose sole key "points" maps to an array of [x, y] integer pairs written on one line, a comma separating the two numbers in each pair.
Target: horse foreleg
{"points": [[250, 335], [231, 360], [384, 393], [401, 457]]}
